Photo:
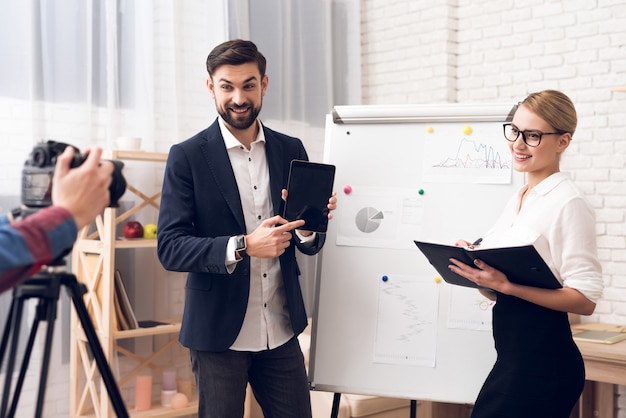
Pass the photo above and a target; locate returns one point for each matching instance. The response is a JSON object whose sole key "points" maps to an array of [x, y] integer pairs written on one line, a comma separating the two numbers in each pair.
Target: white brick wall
{"points": [[499, 51]]}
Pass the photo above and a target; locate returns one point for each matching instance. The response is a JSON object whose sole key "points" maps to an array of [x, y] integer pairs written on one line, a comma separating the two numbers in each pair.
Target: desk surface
{"points": [[604, 362]]}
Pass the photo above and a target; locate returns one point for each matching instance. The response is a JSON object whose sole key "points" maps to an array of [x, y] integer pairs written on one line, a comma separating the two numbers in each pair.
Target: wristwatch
{"points": [[240, 243]]}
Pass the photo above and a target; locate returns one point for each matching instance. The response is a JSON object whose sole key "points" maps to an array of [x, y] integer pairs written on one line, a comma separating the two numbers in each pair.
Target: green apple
{"points": [[150, 231]]}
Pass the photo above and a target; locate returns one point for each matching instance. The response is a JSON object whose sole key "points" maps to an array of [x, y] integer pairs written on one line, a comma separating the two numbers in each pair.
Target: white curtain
{"points": [[313, 60], [313, 63], [87, 71]]}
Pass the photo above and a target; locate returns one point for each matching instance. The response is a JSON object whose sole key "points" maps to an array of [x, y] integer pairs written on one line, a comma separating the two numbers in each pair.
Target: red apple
{"points": [[133, 229]]}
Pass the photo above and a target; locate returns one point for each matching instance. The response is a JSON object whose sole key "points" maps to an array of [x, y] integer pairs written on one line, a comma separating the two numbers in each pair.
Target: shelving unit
{"points": [[93, 263]]}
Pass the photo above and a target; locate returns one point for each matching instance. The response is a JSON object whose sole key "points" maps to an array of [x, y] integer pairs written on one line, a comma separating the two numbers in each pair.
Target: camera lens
{"points": [[118, 183], [40, 157]]}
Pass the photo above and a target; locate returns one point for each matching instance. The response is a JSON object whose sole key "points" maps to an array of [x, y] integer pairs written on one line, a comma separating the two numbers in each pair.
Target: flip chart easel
{"points": [[429, 172]]}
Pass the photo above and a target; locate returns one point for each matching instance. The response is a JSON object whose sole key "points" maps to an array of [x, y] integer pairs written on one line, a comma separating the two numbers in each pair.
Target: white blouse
{"points": [[559, 222]]}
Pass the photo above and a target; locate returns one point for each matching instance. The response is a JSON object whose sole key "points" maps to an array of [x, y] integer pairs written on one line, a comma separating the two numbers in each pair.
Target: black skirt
{"points": [[539, 371]]}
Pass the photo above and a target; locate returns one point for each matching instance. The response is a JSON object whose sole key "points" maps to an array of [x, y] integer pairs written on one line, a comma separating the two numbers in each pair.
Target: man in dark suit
{"points": [[222, 193]]}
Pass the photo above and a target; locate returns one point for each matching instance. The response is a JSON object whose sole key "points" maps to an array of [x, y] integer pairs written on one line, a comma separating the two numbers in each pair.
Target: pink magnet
{"points": [[347, 189]]}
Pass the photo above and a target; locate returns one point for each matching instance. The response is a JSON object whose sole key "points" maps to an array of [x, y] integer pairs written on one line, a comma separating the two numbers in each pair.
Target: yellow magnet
{"points": [[437, 279], [467, 130], [430, 130]]}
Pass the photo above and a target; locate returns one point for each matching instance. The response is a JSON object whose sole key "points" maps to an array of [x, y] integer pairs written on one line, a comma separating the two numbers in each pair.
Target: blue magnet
{"points": [[385, 278]]}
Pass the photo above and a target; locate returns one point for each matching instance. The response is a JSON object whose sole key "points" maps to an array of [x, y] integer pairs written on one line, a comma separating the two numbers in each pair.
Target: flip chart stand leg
{"points": [[334, 413], [413, 408]]}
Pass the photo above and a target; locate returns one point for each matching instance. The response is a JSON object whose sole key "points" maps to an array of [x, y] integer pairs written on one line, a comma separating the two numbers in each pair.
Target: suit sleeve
{"points": [[179, 248]]}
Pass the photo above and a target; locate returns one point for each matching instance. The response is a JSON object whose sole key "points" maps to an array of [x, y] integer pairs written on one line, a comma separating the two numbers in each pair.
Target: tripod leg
{"points": [[27, 353], [105, 371], [6, 333], [3, 346], [16, 320], [49, 308]]}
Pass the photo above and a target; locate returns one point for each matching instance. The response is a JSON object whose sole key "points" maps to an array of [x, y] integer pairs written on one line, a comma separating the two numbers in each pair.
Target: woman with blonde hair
{"points": [[539, 371]]}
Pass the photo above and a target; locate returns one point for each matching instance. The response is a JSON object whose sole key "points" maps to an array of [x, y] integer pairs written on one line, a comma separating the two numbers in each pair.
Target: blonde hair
{"points": [[555, 108]]}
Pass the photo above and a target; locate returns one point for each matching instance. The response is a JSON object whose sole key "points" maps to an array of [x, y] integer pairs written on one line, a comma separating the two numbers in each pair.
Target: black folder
{"points": [[522, 265]]}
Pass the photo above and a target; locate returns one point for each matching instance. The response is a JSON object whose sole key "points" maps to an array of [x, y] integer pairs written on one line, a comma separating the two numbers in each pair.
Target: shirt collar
{"points": [[229, 139], [547, 184]]}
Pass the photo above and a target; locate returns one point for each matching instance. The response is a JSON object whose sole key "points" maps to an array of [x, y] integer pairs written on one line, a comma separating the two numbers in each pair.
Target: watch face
{"points": [[240, 243]]}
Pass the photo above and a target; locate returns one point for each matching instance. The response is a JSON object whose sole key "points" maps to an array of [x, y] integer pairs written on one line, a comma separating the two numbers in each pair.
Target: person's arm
{"points": [[29, 243], [575, 252], [563, 299]]}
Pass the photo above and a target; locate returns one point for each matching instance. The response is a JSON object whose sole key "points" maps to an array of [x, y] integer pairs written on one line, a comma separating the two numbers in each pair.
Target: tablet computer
{"points": [[309, 187]]}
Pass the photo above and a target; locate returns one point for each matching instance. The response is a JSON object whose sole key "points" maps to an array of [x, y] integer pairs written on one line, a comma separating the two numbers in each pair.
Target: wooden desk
{"points": [[605, 367]]}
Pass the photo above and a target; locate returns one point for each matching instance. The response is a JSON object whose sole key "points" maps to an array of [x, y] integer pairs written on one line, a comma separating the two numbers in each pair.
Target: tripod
{"points": [[46, 286]]}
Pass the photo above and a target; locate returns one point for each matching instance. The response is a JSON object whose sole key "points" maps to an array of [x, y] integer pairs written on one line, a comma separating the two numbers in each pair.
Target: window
{"points": [[62, 51]]}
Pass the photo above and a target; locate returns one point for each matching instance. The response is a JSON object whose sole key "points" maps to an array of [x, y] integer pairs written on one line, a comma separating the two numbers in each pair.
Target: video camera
{"points": [[39, 169]]}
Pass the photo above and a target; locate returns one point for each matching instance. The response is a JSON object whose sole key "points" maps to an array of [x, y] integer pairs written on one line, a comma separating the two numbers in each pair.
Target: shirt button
{"points": [[264, 274], [259, 217], [265, 305]]}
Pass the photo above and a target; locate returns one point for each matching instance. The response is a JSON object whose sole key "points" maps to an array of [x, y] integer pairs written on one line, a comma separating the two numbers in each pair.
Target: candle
{"points": [[143, 392], [169, 380]]}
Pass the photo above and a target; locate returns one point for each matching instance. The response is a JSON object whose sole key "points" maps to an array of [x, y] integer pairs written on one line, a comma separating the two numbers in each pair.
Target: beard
{"points": [[238, 122]]}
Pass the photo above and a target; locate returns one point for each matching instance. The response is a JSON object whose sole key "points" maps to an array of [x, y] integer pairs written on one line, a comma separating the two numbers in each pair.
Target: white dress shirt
{"points": [[558, 221], [266, 323]]}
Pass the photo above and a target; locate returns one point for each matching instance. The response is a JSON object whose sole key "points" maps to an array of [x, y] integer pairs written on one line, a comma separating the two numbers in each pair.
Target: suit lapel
{"points": [[218, 162], [275, 157]]}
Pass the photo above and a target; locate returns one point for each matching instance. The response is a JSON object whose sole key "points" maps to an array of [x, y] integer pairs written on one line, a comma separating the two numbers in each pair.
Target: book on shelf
{"points": [[149, 323], [522, 265], [601, 337], [599, 333], [124, 312]]}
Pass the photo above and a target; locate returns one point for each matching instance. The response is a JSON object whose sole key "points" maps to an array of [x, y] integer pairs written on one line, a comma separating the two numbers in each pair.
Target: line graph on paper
{"points": [[480, 157], [472, 154], [406, 323]]}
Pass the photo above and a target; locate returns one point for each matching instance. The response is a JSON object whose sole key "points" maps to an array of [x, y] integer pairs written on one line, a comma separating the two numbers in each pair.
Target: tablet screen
{"points": [[309, 187]]}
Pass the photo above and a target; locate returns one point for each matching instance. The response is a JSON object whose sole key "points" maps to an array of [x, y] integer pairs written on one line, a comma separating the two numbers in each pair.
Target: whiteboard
{"points": [[383, 322]]}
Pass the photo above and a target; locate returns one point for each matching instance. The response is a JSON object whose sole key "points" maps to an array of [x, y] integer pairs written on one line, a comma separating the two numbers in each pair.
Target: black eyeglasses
{"points": [[531, 137]]}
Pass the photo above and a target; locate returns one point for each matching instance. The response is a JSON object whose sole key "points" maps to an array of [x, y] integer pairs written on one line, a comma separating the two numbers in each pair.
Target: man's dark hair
{"points": [[235, 52]]}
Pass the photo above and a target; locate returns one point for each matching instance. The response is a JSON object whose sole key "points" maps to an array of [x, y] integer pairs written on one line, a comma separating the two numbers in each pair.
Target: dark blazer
{"points": [[200, 211]]}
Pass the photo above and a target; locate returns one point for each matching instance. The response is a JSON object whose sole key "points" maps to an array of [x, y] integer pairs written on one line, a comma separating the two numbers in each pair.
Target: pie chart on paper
{"points": [[368, 219]]}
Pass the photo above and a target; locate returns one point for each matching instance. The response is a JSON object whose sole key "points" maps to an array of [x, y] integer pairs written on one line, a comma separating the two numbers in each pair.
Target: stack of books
{"points": [[124, 313]]}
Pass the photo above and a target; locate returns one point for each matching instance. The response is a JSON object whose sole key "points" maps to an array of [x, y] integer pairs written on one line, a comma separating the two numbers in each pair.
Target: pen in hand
{"points": [[476, 243]]}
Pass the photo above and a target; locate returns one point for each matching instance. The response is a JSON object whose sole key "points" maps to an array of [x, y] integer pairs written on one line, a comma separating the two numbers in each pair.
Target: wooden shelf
{"points": [[159, 411], [134, 155], [135, 243], [148, 332], [93, 262]]}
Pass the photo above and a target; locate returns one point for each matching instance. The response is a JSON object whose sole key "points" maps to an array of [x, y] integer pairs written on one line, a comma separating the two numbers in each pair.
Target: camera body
{"points": [[38, 171]]}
